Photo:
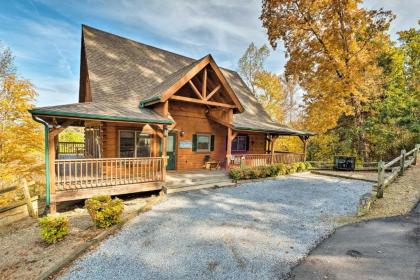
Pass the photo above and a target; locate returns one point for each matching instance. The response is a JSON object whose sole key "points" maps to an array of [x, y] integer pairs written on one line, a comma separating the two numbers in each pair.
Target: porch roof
{"points": [[102, 111], [244, 124]]}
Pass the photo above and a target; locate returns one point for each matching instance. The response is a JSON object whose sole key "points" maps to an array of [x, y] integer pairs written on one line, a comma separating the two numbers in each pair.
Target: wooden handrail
{"points": [[24, 185], [392, 162], [404, 161], [284, 152], [104, 159], [412, 151]]}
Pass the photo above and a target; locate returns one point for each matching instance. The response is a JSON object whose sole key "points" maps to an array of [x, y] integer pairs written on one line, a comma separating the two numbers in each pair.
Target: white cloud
{"points": [[46, 33]]}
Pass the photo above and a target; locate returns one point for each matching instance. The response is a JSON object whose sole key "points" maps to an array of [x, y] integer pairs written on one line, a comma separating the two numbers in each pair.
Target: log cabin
{"points": [[147, 111]]}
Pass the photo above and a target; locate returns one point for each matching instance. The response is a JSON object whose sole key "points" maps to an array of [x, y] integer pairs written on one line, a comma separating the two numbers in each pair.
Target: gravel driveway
{"points": [[254, 231]]}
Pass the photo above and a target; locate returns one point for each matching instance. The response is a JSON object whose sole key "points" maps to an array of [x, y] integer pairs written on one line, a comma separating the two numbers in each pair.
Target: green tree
{"points": [[395, 124]]}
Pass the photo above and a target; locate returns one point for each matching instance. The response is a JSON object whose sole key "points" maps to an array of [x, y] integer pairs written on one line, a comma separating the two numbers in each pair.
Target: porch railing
{"points": [[287, 157], [255, 160], [71, 148], [104, 172]]}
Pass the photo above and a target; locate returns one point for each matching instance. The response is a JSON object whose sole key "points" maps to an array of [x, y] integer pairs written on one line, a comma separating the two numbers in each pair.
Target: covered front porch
{"points": [[116, 157]]}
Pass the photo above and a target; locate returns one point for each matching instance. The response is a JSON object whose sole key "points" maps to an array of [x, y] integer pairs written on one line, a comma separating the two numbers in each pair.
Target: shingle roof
{"points": [[102, 111], [123, 72]]}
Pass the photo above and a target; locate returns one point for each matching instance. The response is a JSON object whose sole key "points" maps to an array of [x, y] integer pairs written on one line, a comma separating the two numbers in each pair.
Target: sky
{"points": [[44, 35]]}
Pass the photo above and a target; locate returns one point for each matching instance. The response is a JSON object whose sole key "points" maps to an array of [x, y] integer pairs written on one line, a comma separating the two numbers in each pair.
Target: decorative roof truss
{"points": [[207, 89]]}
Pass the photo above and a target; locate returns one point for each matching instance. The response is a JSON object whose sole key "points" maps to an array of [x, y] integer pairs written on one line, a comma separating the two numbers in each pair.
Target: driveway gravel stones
{"points": [[253, 231]]}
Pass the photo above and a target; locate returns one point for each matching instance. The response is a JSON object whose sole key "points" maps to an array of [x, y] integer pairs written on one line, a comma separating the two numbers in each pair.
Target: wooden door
{"points": [[171, 151]]}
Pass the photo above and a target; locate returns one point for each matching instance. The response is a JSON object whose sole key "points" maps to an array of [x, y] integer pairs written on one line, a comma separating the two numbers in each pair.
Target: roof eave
{"points": [[297, 133], [43, 112]]}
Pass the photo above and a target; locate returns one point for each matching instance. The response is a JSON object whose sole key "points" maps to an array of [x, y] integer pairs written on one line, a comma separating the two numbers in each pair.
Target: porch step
{"points": [[191, 187], [197, 181], [193, 177]]}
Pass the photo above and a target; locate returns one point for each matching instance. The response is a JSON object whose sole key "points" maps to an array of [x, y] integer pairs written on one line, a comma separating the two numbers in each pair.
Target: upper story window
{"points": [[134, 144], [240, 143]]}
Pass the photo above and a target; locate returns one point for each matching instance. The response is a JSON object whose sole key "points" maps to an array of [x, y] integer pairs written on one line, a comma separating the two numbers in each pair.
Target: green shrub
{"points": [[236, 173], [244, 173], [53, 228], [301, 166], [273, 170], [308, 165], [253, 173], [104, 211], [281, 169]]}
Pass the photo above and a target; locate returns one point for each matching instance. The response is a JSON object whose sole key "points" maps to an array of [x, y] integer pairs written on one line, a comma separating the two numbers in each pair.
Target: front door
{"points": [[170, 151]]}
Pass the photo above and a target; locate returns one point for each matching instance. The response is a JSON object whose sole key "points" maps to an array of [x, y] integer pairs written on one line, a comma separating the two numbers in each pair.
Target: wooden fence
{"points": [[17, 210], [398, 165], [90, 173], [255, 160]]}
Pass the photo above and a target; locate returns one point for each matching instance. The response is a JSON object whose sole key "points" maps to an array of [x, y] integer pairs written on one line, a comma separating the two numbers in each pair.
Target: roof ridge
{"points": [[153, 47]]}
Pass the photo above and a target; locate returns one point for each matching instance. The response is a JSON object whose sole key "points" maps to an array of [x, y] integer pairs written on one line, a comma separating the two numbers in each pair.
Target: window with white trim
{"points": [[134, 144]]}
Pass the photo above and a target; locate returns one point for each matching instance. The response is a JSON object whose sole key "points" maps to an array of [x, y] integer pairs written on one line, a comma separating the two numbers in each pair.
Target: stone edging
{"points": [[97, 239]]}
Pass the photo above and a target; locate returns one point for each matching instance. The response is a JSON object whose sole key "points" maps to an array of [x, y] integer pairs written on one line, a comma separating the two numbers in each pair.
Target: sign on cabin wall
{"points": [[185, 144]]}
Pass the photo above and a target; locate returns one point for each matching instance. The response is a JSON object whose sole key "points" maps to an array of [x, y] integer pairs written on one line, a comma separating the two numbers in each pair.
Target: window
{"points": [[203, 143], [134, 144], [240, 143]]}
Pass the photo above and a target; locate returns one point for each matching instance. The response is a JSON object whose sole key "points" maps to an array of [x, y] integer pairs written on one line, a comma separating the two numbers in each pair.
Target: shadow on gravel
{"points": [[388, 248]]}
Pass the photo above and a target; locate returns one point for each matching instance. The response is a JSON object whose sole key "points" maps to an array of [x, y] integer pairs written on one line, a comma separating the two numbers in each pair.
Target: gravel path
{"points": [[255, 231]]}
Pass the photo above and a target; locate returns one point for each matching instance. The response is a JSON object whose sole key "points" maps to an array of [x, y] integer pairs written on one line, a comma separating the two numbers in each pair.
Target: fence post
{"points": [[416, 153], [381, 178], [402, 162], [28, 199]]}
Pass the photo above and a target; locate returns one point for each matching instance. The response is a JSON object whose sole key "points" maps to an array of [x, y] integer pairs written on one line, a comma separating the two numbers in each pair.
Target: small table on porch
{"points": [[212, 164]]}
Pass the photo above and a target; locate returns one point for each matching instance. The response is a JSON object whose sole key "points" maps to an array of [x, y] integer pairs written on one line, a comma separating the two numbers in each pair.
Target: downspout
{"points": [[47, 163]]}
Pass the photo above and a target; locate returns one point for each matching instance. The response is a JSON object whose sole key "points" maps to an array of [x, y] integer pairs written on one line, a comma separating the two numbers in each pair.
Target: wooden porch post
{"points": [[228, 147], [164, 150], [52, 139], [304, 140], [273, 140]]}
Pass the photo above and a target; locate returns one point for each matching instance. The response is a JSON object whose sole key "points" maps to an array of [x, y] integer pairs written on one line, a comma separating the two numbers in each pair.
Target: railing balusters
{"points": [[255, 160], [102, 172]]}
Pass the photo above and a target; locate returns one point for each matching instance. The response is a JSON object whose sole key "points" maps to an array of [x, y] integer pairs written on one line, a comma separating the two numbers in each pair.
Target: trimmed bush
{"points": [[301, 166], [104, 211], [244, 173], [236, 173], [53, 228], [282, 170]]}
